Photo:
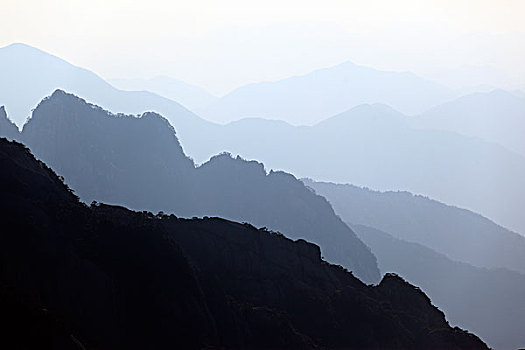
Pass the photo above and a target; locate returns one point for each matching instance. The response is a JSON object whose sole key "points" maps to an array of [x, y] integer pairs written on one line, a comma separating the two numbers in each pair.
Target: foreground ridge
{"points": [[103, 276]]}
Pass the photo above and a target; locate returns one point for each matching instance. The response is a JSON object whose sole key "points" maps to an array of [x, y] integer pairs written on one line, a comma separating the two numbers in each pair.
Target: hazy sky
{"points": [[222, 44]]}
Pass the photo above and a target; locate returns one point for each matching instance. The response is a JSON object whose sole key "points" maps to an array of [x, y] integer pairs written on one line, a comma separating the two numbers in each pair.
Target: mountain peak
{"points": [[19, 46], [380, 113]]}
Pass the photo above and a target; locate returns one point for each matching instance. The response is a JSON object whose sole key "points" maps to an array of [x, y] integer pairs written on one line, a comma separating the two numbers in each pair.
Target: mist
{"points": [[288, 175]]}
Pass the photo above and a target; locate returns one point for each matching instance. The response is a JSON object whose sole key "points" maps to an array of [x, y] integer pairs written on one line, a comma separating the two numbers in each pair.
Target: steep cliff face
{"points": [[122, 279], [138, 162]]}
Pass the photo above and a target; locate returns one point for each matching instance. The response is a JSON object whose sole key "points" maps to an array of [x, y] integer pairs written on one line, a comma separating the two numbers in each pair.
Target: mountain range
{"points": [[470, 267], [104, 277], [138, 162], [488, 302], [144, 151], [311, 98], [376, 146], [497, 116], [359, 146], [190, 96]]}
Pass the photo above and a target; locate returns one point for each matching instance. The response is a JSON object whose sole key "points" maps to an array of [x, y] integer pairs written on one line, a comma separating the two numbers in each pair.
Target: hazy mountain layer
{"points": [[459, 234], [190, 96], [489, 302], [29, 74], [118, 279], [310, 98], [374, 146], [138, 162], [496, 116], [369, 146]]}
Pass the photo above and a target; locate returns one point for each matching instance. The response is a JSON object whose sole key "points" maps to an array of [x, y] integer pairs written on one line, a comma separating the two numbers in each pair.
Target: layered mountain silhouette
{"points": [[106, 277], [489, 302], [311, 98], [441, 248], [375, 146], [190, 96], [456, 233], [496, 116], [138, 162], [29, 74], [355, 147]]}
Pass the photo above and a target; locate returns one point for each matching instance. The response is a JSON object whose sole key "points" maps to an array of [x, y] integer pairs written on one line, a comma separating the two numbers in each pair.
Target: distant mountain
{"points": [[190, 96], [370, 145], [375, 146], [459, 234], [138, 162], [308, 99], [29, 74], [491, 303], [7, 127], [496, 116], [104, 277], [435, 246]]}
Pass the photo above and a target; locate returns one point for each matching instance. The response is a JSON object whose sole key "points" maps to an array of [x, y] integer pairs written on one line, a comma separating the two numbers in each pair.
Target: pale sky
{"points": [[223, 44]]}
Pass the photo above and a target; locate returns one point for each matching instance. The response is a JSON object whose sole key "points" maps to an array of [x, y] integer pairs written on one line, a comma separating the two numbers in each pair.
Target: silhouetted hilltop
{"points": [[376, 146], [121, 279], [241, 190], [457, 233], [7, 127], [112, 158], [485, 301], [138, 162]]}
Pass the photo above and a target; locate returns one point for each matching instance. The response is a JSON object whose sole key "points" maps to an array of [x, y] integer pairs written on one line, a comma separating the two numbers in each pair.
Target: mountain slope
{"points": [[374, 146], [496, 116], [459, 234], [489, 302], [307, 99], [361, 151], [138, 162], [191, 284], [192, 97], [29, 74]]}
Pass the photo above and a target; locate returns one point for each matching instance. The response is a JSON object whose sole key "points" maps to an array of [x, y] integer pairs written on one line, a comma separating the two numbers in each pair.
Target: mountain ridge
{"points": [[167, 286], [139, 163], [493, 312]]}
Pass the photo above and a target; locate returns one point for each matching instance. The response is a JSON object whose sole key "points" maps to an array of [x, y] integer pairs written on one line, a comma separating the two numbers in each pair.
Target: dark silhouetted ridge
{"points": [[114, 278]]}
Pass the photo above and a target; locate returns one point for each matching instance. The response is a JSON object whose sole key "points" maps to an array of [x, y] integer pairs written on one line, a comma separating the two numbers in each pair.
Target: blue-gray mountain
{"points": [[457, 233], [497, 116], [29, 74], [138, 162], [369, 145], [311, 98], [192, 97], [437, 247], [375, 146]]}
